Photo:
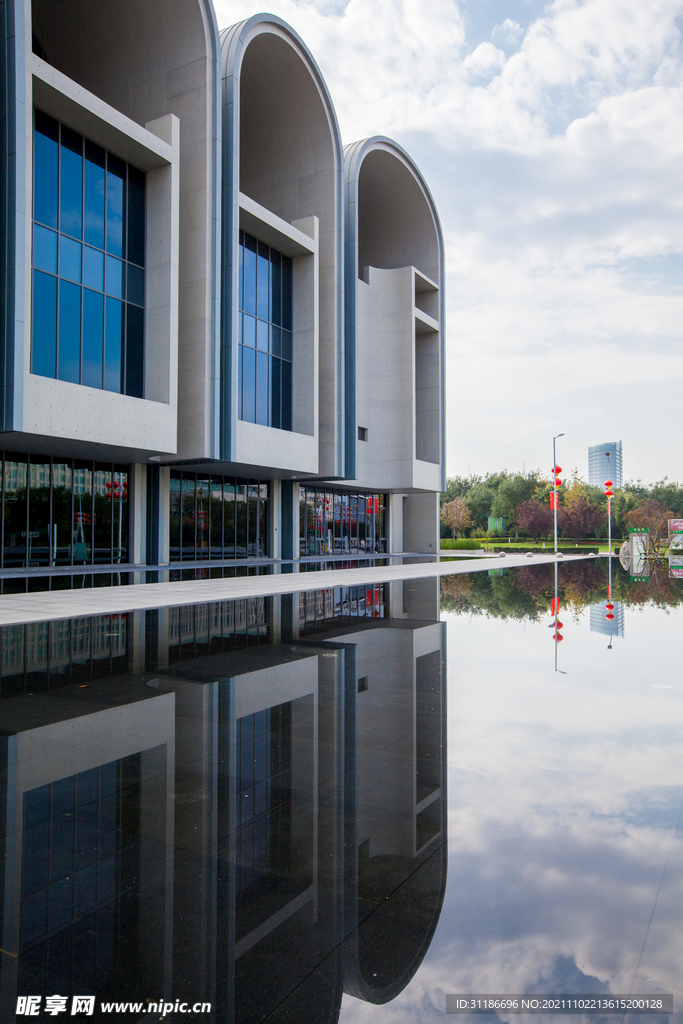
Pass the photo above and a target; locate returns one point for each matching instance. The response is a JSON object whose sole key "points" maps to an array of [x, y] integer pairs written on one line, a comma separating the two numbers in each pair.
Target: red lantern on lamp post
{"points": [[554, 505], [609, 494]]}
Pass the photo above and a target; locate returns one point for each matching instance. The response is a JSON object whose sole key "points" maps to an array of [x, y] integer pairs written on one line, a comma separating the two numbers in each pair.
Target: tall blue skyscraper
{"points": [[601, 468]]}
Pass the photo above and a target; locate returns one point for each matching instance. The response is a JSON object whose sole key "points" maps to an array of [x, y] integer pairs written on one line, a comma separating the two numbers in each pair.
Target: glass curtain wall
{"points": [[198, 630], [341, 522], [88, 262], [41, 656], [217, 518], [63, 512], [265, 334], [320, 610], [80, 851], [274, 854], [263, 786]]}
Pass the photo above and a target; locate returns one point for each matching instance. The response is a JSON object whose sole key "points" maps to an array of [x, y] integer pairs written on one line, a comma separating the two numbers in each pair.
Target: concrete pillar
{"points": [[137, 513], [395, 526], [135, 642], [275, 520], [164, 514], [422, 598], [289, 520], [421, 523]]}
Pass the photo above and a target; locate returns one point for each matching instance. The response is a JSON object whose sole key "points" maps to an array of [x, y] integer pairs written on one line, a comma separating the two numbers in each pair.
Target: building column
{"points": [[421, 522], [274, 520], [395, 525], [137, 513], [289, 521], [164, 515]]}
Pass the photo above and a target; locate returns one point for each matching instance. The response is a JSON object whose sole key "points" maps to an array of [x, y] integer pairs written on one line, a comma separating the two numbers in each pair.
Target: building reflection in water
{"points": [[599, 623], [241, 803]]}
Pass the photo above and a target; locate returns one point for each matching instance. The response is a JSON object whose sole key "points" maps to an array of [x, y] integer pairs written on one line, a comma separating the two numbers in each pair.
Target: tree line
{"points": [[523, 499], [525, 593]]}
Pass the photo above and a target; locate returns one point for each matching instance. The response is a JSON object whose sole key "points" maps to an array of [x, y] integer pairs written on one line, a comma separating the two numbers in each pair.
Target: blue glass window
{"points": [[70, 259], [114, 277], [113, 345], [93, 268], [88, 259], [44, 324], [69, 347], [45, 249], [93, 329], [265, 334]]}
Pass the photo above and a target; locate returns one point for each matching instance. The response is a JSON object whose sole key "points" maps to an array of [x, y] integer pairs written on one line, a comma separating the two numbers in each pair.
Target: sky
{"points": [[550, 137], [564, 792]]}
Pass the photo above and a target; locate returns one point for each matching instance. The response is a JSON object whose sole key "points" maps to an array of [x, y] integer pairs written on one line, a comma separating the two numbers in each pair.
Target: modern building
{"points": [[599, 623], [221, 332], [605, 463]]}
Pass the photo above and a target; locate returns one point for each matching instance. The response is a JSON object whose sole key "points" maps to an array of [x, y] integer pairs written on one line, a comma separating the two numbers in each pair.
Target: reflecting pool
{"points": [[565, 789], [344, 804]]}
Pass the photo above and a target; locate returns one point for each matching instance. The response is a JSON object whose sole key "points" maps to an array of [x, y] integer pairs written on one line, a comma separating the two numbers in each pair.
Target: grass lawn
{"points": [[528, 545]]}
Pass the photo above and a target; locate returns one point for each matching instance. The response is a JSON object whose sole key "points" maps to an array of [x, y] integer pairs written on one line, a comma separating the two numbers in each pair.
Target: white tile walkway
{"points": [[70, 604]]}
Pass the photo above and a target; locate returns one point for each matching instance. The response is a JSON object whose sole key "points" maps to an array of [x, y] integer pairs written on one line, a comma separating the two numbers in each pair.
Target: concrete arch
{"points": [[140, 58], [392, 218], [282, 148], [384, 952], [391, 222]]}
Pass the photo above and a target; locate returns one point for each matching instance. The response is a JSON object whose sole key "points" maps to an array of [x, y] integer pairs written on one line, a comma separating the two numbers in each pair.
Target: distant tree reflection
{"points": [[524, 593]]}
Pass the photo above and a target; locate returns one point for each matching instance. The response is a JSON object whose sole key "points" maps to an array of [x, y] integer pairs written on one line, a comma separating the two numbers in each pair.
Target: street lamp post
{"points": [[557, 632], [555, 487], [608, 492], [609, 510]]}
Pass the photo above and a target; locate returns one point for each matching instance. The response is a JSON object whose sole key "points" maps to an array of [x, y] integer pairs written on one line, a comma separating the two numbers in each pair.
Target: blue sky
{"points": [[550, 135]]}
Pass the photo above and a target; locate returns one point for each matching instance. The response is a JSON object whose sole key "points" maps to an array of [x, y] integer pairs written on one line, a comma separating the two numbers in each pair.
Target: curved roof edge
{"points": [[234, 38], [216, 160], [354, 154], [234, 41], [355, 983]]}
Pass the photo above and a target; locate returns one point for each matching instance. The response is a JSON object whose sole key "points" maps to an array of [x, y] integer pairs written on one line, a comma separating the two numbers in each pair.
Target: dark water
{"points": [[346, 804]]}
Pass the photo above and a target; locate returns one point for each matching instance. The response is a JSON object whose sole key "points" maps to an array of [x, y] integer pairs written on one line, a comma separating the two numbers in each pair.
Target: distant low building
{"points": [[601, 468], [499, 523]]}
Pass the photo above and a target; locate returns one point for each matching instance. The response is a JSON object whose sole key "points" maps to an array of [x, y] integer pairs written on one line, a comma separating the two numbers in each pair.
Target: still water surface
{"points": [[254, 803]]}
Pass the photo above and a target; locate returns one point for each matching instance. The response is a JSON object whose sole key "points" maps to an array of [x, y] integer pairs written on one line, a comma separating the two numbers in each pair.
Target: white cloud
{"points": [[563, 800], [508, 31], [484, 60]]}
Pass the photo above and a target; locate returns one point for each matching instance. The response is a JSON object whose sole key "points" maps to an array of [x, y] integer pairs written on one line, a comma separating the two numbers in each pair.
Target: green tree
{"points": [[479, 500], [655, 518], [670, 495], [534, 518], [456, 515], [623, 502], [580, 518], [513, 491], [458, 486]]}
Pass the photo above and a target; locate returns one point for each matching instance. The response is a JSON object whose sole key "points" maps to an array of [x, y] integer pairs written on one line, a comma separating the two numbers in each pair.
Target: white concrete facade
{"points": [[235, 131]]}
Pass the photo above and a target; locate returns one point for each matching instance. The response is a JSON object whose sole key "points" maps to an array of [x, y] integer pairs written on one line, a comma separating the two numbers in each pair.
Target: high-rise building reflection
{"points": [[240, 803]]}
